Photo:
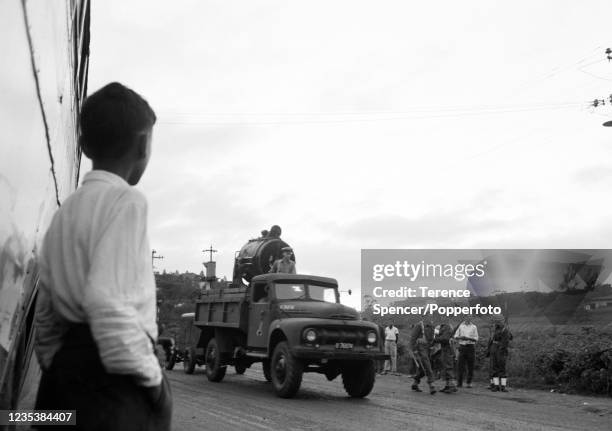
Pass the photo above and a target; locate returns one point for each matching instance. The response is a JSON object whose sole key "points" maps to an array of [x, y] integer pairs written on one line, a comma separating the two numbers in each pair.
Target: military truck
{"points": [[182, 349], [290, 323]]}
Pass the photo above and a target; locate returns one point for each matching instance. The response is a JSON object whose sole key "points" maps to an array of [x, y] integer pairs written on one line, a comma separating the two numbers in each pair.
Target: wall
{"points": [[44, 52]]}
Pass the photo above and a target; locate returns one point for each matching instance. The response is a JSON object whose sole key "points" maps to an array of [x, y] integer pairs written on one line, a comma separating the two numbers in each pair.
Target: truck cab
{"points": [[291, 324]]}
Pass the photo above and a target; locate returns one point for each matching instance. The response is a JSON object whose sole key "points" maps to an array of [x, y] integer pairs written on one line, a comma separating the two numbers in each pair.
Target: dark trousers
{"points": [[77, 381], [498, 362], [466, 359], [448, 364], [423, 368]]}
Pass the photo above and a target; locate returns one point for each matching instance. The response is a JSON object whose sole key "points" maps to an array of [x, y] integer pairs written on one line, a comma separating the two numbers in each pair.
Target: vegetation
{"points": [[176, 294], [557, 344]]}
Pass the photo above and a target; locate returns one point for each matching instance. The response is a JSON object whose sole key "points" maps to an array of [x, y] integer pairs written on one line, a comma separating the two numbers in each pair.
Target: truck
{"points": [[290, 323]]}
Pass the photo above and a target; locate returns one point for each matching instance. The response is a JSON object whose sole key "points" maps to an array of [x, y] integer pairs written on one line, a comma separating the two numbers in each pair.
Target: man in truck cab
{"points": [[284, 265]]}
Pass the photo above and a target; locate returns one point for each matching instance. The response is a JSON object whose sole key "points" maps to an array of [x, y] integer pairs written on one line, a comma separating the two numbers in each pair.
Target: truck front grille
{"points": [[342, 335]]}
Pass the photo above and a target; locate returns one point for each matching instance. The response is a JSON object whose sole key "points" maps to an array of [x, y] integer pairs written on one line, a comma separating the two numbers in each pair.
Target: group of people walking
{"points": [[456, 349]]}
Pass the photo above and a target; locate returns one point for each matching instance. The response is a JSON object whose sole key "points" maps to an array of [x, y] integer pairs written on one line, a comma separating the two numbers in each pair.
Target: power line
{"points": [[356, 117]]}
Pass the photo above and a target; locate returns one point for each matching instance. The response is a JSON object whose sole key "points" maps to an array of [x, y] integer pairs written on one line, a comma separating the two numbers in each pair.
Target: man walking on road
{"points": [[421, 340], [467, 336], [447, 357], [391, 339]]}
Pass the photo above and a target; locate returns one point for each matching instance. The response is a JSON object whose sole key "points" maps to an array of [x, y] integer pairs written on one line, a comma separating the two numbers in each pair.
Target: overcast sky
{"points": [[374, 124]]}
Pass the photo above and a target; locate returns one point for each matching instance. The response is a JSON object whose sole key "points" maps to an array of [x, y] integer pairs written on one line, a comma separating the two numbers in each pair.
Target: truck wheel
{"points": [[358, 378], [240, 368], [265, 365], [189, 361], [286, 371], [214, 371]]}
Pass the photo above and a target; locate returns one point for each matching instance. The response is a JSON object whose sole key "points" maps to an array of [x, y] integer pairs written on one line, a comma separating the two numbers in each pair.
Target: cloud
{"points": [[594, 174], [236, 149]]}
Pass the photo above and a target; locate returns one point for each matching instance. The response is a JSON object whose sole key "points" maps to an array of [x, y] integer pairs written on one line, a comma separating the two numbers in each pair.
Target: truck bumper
{"points": [[303, 352]]}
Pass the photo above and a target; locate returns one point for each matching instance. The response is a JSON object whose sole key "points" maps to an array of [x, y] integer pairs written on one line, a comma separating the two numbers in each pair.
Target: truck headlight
{"points": [[371, 337], [310, 335]]}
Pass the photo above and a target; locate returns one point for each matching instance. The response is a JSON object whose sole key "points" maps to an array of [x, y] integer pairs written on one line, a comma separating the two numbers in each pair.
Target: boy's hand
{"points": [[161, 405], [154, 393], [159, 396]]}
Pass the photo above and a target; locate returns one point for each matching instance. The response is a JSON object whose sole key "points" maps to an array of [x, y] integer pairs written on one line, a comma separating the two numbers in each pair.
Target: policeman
{"points": [[498, 353], [285, 264], [421, 340], [447, 356]]}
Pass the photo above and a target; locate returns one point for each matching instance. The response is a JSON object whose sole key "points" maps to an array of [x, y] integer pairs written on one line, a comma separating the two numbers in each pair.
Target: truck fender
{"points": [[276, 334]]}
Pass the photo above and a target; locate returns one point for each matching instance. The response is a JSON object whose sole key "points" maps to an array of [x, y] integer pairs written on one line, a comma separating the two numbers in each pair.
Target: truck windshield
{"points": [[289, 291], [322, 293]]}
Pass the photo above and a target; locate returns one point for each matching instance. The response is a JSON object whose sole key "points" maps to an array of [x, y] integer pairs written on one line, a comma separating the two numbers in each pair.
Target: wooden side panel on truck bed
{"points": [[224, 308]]}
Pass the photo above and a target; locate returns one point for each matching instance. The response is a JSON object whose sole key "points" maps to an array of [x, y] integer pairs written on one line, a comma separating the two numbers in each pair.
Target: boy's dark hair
{"points": [[110, 120]]}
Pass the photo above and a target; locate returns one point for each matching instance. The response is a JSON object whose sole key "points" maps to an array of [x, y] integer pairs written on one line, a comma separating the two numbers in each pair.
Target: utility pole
{"points": [[608, 100], [211, 251], [153, 257]]}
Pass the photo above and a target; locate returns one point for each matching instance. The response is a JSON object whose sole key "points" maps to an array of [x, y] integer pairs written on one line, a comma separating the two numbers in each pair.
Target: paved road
{"points": [[248, 402]]}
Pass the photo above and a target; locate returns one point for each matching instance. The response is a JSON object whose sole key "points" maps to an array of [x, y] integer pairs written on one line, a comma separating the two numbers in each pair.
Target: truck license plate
{"points": [[344, 345]]}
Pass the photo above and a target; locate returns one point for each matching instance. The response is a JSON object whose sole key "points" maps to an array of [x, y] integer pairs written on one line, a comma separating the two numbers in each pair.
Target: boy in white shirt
{"points": [[96, 306]]}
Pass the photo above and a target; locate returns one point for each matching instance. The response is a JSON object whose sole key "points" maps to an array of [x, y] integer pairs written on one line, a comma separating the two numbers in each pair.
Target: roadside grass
{"points": [[566, 358]]}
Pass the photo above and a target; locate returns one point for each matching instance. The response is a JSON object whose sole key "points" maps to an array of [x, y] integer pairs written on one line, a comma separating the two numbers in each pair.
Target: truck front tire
{"points": [[189, 360], [214, 371], [286, 371], [358, 378], [265, 366]]}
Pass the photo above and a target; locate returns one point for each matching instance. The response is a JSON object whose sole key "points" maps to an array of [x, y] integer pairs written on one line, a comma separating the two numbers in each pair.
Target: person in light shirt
{"points": [[284, 265], [467, 336], [391, 339], [96, 306]]}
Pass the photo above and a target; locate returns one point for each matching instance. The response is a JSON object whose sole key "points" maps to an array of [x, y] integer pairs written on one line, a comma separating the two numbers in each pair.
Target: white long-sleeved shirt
{"points": [[469, 331], [95, 268]]}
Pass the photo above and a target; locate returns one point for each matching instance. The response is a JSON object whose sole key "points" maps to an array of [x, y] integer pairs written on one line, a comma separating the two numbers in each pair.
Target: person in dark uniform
{"points": [[275, 232], [447, 357], [421, 340], [498, 353]]}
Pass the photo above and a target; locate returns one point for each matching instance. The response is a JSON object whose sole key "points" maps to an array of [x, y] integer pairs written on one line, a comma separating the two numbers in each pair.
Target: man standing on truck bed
{"points": [[284, 265], [96, 307]]}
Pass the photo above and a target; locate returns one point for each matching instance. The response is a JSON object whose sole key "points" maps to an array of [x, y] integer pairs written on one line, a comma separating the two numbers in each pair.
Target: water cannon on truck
{"points": [[291, 323]]}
